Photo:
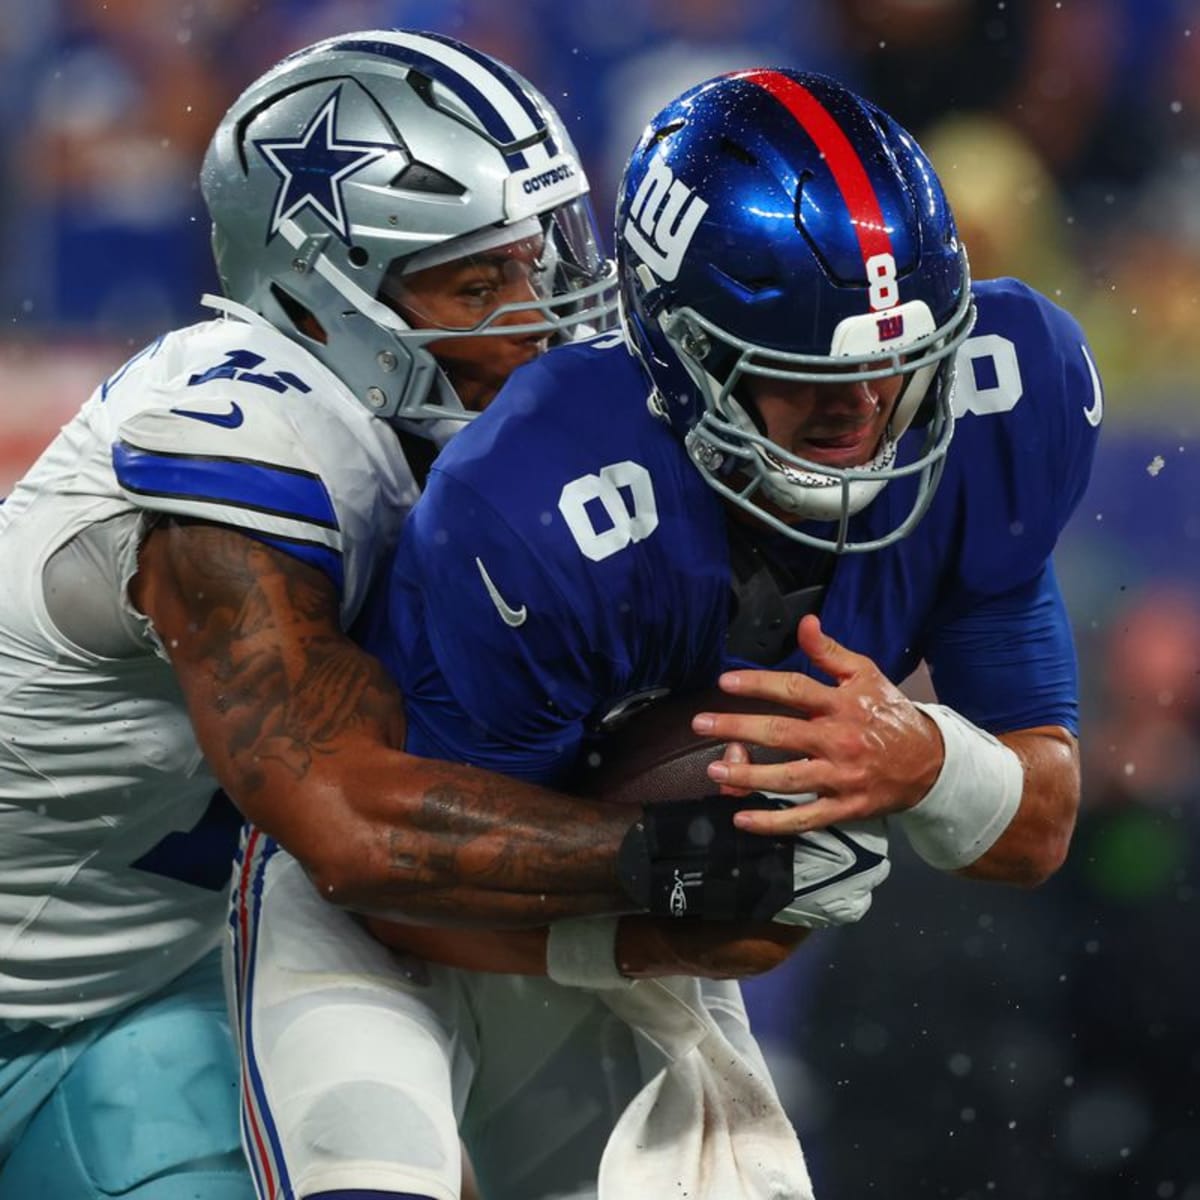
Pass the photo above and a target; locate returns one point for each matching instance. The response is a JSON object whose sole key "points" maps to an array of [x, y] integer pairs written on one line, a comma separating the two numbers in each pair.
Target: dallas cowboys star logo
{"points": [[313, 169]]}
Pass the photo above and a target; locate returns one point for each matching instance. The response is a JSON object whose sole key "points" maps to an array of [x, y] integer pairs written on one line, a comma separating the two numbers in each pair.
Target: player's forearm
{"points": [[382, 831], [442, 843], [385, 832], [379, 830], [1035, 843], [303, 730]]}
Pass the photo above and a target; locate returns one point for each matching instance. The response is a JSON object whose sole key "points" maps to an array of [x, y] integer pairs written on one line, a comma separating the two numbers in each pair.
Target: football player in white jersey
{"points": [[399, 221]]}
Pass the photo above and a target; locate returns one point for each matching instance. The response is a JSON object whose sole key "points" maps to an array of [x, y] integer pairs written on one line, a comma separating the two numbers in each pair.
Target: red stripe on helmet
{"points": [[848, 171]]}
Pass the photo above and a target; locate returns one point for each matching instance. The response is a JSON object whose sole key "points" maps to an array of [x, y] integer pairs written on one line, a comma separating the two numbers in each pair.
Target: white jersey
{"points": [[227, 422]]}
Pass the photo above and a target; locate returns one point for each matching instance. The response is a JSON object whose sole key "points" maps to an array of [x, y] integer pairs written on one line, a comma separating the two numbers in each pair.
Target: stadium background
{"points": [[967, 1042]]}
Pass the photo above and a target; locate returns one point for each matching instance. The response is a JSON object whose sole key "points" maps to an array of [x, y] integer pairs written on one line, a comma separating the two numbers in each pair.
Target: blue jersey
{"points": [[567, 560]]}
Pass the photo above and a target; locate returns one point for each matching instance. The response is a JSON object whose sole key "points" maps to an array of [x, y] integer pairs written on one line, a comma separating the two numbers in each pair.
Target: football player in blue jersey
{"points": [[399, 222], [813, 421], [817, 456], [766, 447]]}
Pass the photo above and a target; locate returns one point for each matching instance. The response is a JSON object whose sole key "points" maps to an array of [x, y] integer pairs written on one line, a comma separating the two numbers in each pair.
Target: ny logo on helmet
{"points": [[666, 212]]}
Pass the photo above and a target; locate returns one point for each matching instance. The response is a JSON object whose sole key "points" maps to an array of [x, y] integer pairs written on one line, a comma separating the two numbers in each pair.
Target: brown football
{"points": [[655, 755]]}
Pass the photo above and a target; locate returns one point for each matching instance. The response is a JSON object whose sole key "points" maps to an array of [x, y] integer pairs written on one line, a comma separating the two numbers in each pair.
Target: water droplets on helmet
{"points": [[773, 224]]}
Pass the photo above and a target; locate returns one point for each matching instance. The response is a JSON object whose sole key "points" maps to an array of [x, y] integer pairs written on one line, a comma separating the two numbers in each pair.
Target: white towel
{"points": [[709, 1124]]}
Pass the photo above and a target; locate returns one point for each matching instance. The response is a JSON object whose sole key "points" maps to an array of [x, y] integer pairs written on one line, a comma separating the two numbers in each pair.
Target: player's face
{"points": [[465, 291], [832, 424]]}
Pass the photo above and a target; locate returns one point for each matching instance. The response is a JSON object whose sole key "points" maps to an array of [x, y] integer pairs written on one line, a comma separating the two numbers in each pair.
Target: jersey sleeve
{"points": [[1073, 423], [1000, 647], [1009, 662], [256, 477], [1029, 405]]}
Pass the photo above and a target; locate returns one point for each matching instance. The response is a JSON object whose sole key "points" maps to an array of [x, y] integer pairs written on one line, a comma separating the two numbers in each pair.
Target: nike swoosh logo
{"points": [[229, 420], [864, 860], [1096, 411], [512, 617]]}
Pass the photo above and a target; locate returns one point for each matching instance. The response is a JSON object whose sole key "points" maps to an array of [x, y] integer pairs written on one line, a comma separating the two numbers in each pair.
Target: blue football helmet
{"points": [[773, 223]]}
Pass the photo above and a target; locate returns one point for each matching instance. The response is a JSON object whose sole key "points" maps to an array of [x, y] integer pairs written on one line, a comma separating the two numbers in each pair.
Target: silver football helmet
{"points": [[350, 159]]}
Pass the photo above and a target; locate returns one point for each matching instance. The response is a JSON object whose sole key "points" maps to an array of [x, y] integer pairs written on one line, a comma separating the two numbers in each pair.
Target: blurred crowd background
{"points": [[965, 1041]]}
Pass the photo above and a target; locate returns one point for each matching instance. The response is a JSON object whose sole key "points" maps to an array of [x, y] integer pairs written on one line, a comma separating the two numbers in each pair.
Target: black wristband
{"points": [[686, 858]]}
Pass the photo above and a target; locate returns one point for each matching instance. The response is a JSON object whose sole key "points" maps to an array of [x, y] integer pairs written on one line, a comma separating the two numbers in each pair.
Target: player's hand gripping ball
{"points": [[686, 858]]}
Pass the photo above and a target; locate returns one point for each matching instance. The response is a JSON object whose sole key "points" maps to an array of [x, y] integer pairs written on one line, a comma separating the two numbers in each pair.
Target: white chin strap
{"points": [[812, 495]]}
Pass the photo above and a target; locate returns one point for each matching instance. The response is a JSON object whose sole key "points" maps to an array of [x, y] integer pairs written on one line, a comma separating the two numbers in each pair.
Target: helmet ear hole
{"points": [[739, 152], [358, 256], [303, 321]]}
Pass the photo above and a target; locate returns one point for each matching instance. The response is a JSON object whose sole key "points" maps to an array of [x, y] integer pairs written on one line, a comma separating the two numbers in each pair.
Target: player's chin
{"points": [[526, 350], [506, 356]]}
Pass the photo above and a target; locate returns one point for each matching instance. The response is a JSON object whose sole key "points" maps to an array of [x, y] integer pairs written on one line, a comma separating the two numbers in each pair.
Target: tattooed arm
{"points": [[304, 731]]}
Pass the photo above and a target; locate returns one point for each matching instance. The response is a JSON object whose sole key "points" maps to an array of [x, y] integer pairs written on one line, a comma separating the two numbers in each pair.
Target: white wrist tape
{"points": [[582, 952], [972, 801]]}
